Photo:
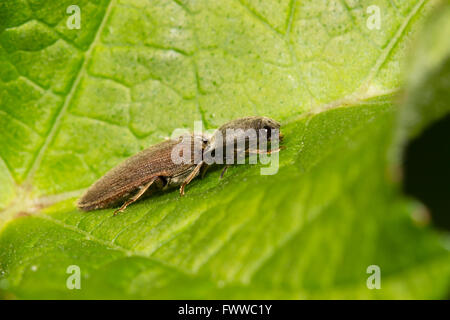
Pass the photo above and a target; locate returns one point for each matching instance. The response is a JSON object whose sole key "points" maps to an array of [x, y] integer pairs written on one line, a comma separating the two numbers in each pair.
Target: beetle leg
{"points": [[203, 170], [257, 151], [224, 170], [191, 176], [136, 196]]}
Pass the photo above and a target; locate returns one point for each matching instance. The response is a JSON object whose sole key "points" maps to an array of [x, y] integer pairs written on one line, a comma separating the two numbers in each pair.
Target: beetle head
{"points": [[268, 125]]}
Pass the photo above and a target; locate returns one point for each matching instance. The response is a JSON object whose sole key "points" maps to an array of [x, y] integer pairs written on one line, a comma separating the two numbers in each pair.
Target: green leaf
{"points": [[427, 94], [74, 103]]}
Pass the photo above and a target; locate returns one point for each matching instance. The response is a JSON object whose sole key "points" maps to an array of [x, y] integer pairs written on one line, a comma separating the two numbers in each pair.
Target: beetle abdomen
{"points": [[125, 179]]}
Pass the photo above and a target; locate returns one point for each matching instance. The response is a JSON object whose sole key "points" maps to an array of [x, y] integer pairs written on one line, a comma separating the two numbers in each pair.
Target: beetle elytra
{"points": [[147, 171]]}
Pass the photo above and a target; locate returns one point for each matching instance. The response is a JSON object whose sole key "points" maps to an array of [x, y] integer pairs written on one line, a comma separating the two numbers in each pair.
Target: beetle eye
{"points": [[268, 130]]}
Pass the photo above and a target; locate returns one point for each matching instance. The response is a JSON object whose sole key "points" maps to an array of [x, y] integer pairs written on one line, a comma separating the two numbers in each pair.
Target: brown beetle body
{"points": [[149, 170]]}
